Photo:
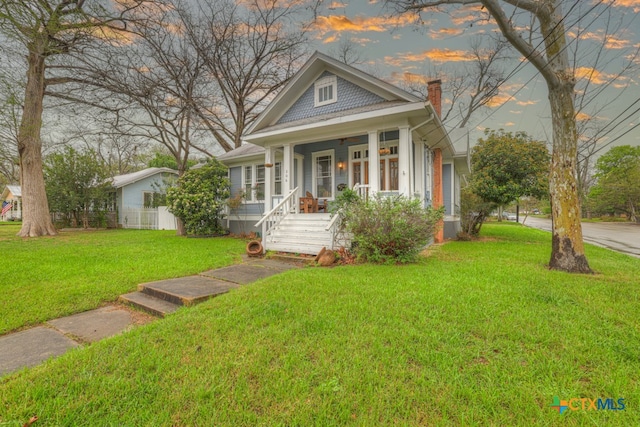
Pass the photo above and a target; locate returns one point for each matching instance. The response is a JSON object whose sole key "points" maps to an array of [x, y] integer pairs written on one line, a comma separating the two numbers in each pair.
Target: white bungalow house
{"points": [[134, 193], [321, 134], [12, 195]]}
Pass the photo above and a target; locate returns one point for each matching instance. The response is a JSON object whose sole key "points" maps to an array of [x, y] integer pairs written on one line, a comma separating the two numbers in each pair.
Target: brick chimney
{"points": [[434, 91]]}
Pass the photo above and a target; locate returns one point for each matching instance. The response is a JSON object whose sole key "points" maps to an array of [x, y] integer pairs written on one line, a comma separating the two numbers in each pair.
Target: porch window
{"points": [[248, 182], [259, 182], [277, 179], [325, 91], [323, 176]]}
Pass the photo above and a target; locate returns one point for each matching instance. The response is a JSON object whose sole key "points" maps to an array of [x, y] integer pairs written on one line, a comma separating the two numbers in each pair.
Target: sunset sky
{"points": [[398, 47]]}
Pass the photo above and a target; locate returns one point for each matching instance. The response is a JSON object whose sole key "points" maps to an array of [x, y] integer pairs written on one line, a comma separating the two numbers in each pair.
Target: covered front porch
{"points": [[306, 168], [321, 161]]}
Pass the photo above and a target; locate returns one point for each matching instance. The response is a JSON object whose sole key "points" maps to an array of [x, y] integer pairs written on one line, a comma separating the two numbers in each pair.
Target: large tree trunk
{"points": [[36, 220], [567, 253]]}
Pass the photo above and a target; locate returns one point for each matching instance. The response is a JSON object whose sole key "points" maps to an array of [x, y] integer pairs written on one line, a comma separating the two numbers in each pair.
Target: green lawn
{"points": [[50, 277], [476, 334]]}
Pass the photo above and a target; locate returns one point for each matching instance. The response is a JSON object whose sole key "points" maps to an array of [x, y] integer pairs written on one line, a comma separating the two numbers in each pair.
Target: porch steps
{"points": [[166, 296], [301, 233]]}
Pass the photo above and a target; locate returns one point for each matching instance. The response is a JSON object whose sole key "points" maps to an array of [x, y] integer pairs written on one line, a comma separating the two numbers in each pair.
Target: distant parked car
{"points": [[536, 211], [509, 216]]}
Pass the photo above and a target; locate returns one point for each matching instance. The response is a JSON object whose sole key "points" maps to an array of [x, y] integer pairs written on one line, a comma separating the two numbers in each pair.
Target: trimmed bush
{"points": [[390, 229], [200, 197]]}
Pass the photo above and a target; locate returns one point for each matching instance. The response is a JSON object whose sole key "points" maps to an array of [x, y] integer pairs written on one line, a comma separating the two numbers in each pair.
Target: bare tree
{"points": [[544, 45], [251, 49], [155, 82], [347, 51], [47, 29], [469, 87], [9, 122]]}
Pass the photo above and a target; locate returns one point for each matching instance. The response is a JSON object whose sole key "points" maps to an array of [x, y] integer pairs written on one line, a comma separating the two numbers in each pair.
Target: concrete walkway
{"points": [[33, 346]]}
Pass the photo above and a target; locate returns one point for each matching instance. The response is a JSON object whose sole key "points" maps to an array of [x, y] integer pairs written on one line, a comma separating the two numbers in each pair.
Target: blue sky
{"points": [[398, 47]]}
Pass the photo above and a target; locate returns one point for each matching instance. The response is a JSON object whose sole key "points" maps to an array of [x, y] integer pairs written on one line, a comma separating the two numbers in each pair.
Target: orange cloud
{"points": [[610, 41], [436, 55], [445, 32], [635, 4], [325, 25], [509, 124], [336, 5], [472, 14], [363, 41], [498, 100], [527, 102], [582, 116], [408, 77], [596, 77]]}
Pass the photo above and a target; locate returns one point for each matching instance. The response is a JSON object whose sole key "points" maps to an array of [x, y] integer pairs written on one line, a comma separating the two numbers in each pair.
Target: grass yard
{"points": [[476, 334], [50, 277]]}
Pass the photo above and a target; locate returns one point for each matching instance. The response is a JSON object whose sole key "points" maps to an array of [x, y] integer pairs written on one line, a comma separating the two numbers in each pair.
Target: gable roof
{"points": [[245, 150], [122, 180], [306, 76], [15, 190]]}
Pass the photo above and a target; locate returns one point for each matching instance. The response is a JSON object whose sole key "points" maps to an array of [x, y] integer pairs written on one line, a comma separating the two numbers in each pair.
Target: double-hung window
{"points": [[248, 182], [325, 91], [277, 179], [254, 182], [259, 182]]}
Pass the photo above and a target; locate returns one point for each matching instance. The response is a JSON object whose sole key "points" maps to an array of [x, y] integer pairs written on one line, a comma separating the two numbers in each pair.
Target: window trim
{"points": [[329, 81]]}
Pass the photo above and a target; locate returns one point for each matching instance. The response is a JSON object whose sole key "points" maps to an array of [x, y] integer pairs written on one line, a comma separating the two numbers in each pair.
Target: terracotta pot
{"points": [[254, 248]]}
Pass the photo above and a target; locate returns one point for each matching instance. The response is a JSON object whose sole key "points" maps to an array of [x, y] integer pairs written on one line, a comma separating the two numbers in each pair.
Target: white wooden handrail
{"points": [[278, 207]]}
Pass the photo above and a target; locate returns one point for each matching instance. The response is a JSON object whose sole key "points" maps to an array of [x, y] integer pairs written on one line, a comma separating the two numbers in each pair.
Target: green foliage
{"points": [[473, 212], [161, 159], [618, 187], [77, 185], [199, 198], [345, 198], [390, 229], [507, 166]]}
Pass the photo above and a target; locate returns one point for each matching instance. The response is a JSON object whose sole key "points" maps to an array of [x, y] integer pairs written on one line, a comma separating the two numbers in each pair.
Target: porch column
{"points": [[269, 159], [404, 162], [418, 165], [374, 163], [287, 169], [438, 197]]}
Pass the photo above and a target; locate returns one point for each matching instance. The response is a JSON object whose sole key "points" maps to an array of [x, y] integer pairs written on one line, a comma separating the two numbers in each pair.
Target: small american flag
{"points": [[5, 207]]}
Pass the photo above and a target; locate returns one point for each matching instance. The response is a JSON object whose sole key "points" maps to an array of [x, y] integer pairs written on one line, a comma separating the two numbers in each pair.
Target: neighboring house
{"points": [[12, 209], [320, 135], [134, 198]]}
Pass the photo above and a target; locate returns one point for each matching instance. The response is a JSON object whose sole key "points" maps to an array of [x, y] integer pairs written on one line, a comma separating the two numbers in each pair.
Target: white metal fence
{"points": [[140, 218], [148, 218]]}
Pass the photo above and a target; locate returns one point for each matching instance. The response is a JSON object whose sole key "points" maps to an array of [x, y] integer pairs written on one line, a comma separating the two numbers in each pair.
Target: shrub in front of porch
{"points": [[200, 197], [390, 229]]}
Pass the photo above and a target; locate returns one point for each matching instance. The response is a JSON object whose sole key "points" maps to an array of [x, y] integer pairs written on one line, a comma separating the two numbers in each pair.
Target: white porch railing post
{"points": [[374, 162]]}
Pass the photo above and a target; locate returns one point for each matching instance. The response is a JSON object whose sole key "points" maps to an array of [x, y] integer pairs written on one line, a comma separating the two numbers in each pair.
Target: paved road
{"points": [[619, 236]]}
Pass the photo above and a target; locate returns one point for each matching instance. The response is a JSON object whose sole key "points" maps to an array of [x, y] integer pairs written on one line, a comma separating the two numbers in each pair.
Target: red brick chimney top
{"points": [[434, 90]]}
